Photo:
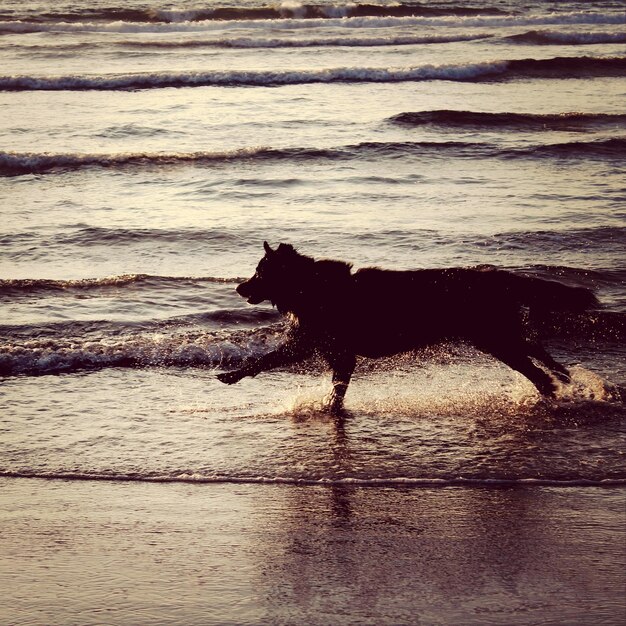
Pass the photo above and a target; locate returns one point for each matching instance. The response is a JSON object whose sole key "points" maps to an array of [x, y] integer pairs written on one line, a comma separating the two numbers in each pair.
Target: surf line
{"points": [[557, 67], [401, 482]]}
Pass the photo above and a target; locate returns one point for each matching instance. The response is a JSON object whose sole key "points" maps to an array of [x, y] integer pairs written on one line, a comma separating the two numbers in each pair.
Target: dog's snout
{"points": [[243, 290], [250, 290]]}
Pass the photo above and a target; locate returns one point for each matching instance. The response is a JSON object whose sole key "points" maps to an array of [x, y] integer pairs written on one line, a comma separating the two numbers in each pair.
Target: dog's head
{"points": [[271, 279]]}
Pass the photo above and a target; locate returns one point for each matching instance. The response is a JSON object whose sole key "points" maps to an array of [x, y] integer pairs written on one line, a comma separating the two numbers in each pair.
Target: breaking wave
{"points": [[349, 16], [14, 163], [559, 67], [68, 347], [312, 42], [49, 355], [283, 10]]}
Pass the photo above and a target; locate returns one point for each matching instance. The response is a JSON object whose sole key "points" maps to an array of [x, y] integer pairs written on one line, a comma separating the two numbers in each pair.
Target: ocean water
{"points": [[148, 149]]}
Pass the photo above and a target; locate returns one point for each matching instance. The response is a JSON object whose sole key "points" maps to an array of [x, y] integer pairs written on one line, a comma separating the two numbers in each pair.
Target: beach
{"points": [[127, 553]]}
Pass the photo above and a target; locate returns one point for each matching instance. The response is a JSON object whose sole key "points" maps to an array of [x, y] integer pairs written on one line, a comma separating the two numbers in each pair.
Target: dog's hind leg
{"points": [[537, 351], [343, 367], [517, 358]]}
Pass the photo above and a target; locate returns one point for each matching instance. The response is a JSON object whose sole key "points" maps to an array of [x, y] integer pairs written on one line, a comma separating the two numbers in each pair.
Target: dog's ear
{"points": [[285, 248], [268, 250]]}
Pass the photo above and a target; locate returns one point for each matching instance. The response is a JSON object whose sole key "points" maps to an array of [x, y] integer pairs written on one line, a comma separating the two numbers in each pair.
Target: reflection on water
{"points": [[453, 555]]}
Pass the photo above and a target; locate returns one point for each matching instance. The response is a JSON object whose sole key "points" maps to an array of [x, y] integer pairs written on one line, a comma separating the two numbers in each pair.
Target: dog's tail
{"points": [[549, 295]]}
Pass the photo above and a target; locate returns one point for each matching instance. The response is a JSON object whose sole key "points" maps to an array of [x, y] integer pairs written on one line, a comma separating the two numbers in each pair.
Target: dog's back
{"points": [[399, 311]]}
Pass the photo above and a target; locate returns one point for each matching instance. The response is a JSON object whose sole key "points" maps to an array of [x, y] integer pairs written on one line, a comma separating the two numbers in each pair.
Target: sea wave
{"points": [[553, 37], [54, 355], [12, 288], [299, 10], [578, 276], [563, 239], [283, 10], [86, 346], [533, 37], [15, 163], [511, 121], [311, 42], [42, 287], [196, 21], [356, 481], [202, 327], [558, 67], [542, 243], [598, 148], [98, 235], [29, 286], [12, 163]]}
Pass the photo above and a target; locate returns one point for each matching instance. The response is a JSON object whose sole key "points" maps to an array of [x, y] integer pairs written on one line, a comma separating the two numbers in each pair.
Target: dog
{"points": [[340, 314]]}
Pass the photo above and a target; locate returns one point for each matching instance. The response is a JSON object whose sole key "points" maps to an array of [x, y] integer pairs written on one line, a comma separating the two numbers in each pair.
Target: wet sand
{"points": [[84, 552]]}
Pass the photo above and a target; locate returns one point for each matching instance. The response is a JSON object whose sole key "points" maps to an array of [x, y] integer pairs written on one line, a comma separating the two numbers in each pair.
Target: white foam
{"points": [[190, 25], [338, 11], [176, 15], [452, 71], [586, 385], [291, 8], [276, 42], [152, 350]]}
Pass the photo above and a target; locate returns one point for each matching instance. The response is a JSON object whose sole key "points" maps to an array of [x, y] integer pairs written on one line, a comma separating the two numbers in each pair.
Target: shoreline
{"points": [[346, 482], [92, 552]]}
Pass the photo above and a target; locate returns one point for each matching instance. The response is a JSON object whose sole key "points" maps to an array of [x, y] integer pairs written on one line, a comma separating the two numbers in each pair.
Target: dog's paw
{"points": [[333, 405], [230, 378]]}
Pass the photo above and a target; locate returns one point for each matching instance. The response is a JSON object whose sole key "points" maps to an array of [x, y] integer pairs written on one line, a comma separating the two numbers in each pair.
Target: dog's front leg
{"points": [[343, 367], [288, 353]]}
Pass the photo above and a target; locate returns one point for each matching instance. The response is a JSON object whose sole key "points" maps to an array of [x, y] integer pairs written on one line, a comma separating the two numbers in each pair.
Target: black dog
{"points": [[374, 313]]}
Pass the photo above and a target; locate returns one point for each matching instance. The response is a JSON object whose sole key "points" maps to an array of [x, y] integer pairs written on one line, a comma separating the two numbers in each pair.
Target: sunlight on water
{"points": [[587, 385]]}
